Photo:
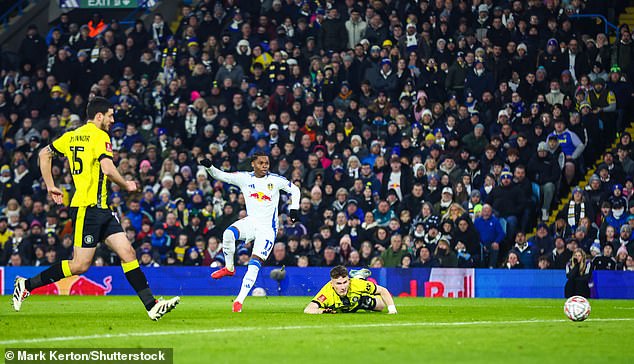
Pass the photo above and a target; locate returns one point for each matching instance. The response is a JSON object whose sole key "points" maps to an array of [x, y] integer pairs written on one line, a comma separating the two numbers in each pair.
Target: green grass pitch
{"points": [[274, 330]]}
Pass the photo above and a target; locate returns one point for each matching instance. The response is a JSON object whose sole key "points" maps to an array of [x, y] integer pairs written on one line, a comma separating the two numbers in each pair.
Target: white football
{"points": [[577, 308]]}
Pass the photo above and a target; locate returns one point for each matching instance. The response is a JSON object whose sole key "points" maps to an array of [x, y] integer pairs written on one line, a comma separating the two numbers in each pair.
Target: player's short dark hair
{"points": [[338, 272], [96, 106], [255, 156]]}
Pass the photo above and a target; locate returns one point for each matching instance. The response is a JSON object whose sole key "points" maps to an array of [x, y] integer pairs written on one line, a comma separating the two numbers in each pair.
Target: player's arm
{"points": [[387, 298], [110, 171], [103, 151], [296, 195], [46, 162], [314, 309], [232, 178]]}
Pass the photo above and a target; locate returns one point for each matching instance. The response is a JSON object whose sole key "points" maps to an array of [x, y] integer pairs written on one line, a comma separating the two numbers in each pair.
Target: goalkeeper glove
{"points": [[205, 163]]}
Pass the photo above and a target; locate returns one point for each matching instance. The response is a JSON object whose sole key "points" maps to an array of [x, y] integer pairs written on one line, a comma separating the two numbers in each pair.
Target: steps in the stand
{"points": [[583, 183]]}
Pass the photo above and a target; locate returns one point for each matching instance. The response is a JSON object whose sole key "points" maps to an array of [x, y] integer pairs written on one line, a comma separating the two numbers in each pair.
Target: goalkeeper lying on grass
{"points": [[348, 294]]}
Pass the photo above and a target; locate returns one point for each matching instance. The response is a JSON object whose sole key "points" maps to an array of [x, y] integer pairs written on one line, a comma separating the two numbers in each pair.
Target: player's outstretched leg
{"points": [[22, 287], [229, 238], [156, 309], [362, 273], [247, 283]]}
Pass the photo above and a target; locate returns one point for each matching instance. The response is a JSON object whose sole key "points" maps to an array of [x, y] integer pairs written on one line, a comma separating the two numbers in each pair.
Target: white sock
{"points": [[249, 279], [229, 246]]}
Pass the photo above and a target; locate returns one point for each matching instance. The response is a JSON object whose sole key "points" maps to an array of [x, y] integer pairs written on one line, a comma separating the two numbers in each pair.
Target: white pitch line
{"points": [[279, 328]]}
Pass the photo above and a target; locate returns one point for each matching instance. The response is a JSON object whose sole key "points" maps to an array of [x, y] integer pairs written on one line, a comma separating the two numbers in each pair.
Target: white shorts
{"points": [[263, 236]]}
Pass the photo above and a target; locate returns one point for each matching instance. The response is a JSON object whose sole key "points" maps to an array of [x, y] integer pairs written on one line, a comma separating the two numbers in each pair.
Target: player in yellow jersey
{"points": [[344, 294], [89, 153]]}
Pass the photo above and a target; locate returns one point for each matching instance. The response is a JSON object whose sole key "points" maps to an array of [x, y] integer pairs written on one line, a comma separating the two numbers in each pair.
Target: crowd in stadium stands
{"points": [[421, 133]]}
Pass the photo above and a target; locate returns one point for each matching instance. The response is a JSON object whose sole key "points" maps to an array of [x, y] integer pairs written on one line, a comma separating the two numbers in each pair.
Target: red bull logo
{"points": [[260, 196], [76, 286]]}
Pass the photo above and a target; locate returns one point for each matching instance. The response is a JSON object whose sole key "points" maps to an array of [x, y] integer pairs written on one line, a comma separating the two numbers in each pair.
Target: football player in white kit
{"points": [[261, 190]]}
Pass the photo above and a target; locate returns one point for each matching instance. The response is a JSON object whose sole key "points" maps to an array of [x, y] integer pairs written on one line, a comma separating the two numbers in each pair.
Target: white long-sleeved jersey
{"points": [[261, 195]]}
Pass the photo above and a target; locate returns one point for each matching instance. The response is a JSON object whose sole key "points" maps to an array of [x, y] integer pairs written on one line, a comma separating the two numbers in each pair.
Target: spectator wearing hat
{"points": [[625, 239], [552, 59], [384, 80], [147, 260], [542, 242], [598, 71], [446, 199], [398, 178], [617, 216], [473, 205], [8, 187], [616, 193], [508, 202], [623, 93], [5, 232], [603, 103], [613, 166], [467, 234], [456, 75]]}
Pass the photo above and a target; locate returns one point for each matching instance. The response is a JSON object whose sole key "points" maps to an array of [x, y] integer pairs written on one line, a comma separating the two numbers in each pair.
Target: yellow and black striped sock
{"points": [[137, 280], [53, 274]]}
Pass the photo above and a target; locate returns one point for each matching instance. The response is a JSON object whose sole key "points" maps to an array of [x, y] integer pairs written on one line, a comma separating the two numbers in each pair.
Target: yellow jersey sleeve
{"points": [[60, 146], [102, 145], [325, 297], [362, 286]]}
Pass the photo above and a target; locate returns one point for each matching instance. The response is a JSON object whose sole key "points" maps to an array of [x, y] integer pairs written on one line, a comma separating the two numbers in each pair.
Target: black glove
{"points": [[294, 215], [205, 163]]}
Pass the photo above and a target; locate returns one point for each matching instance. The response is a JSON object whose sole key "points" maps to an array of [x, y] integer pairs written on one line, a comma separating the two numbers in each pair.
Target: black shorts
{"points": [[92, 225]]}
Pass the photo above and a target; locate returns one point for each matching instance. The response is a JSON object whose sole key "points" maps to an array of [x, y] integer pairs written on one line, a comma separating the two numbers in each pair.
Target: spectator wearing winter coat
{"points": [[524, 251], [333, 34], [230, 70], [578, 272], [356, 27], [491, 234], [542, 242], [544, 170], [507, 200], [479, 80]]}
